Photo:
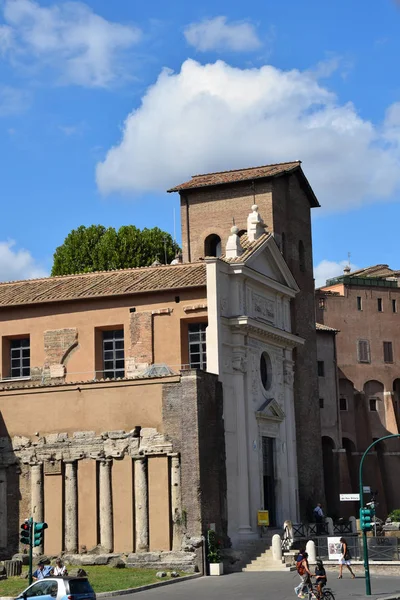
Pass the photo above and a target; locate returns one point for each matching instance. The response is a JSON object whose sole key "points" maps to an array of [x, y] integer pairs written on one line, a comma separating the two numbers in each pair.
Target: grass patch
{"points": [[102, 579]]}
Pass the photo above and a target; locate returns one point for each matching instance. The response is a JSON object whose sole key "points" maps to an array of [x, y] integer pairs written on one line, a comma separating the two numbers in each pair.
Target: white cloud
{"points": [[218, 34], [69, 37], [327, 269], [214, 117], [17, 263]]}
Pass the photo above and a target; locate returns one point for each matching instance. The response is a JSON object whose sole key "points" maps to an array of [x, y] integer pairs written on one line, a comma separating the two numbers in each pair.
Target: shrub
{"points": [[395, 515], [213, 554]]}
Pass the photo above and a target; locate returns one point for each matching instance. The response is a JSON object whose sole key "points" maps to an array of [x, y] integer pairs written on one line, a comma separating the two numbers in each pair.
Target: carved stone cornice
{"points": [[244, 324]]}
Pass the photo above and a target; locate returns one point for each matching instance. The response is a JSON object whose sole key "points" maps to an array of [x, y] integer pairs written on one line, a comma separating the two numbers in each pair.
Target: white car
{"points": [[59, 588]]}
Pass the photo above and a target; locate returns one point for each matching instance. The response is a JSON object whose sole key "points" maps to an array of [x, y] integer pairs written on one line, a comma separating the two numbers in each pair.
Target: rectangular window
{"points": [[388, 352], [321, 403], [322, 303], [359, 303], [20, 358], [343, 403], [113, 354], [373, 404], [364, 355], [197, 346], [321, 368], [380, 307], [394, 306]]}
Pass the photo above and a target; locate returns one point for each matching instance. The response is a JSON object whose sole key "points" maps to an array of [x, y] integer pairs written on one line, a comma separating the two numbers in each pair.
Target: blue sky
{"points": [[104, 105]]}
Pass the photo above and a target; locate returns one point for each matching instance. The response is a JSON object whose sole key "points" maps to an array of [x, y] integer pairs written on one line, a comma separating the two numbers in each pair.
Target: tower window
{"points": [[387, 352], [212, 245], [321, 368], [322, 303], [343, 403], [364, 355], [359, 303], [321, 403], [380, 306], [394, 306], [373, 407]]}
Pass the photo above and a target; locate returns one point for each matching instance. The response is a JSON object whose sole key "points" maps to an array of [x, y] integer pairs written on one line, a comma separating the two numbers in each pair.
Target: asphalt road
{"points": [[265, 586]]}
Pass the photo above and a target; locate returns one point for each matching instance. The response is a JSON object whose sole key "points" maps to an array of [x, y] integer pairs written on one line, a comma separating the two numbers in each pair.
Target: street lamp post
{"points": [[364, 533]]}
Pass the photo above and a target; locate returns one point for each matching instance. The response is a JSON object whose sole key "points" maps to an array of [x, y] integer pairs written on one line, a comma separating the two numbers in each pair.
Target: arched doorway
{"points": [[212, 245]]}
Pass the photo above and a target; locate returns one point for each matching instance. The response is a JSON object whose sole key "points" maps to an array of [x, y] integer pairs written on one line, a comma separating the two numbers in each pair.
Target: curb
{"points": [[149, 586], [395, 597]]}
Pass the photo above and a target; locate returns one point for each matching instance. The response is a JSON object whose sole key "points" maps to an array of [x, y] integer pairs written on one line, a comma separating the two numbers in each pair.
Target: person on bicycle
{"points": [[320, 577]]}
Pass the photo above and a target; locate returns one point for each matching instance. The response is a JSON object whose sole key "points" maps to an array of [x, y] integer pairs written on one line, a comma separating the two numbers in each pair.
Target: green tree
{"points": [[95, 248]]}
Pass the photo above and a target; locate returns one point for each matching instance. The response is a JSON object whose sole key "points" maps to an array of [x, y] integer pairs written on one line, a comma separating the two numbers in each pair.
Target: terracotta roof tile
{"points": [[222, 177], [102, 284]]}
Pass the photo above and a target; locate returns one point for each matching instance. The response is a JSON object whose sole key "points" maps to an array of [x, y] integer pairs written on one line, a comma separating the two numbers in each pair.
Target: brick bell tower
{"points": [[284, 197]]}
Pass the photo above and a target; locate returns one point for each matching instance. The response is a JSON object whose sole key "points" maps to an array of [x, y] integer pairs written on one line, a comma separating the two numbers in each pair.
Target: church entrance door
{"points": [[268, 445]]}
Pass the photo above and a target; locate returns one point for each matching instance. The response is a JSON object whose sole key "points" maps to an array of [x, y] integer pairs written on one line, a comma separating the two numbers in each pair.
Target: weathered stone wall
{"points": [[192, 419]]}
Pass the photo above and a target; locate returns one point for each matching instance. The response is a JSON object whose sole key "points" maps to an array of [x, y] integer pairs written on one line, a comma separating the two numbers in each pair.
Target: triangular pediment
{"points": [[268, 261], [270, 410]]}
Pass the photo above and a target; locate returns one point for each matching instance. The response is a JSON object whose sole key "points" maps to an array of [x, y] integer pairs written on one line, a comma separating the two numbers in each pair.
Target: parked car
{"points": [[59, 588]]}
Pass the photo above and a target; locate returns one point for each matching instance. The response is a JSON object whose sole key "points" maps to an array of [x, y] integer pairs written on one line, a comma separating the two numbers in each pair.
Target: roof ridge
{"points": [[58, 277], [288, 162]]}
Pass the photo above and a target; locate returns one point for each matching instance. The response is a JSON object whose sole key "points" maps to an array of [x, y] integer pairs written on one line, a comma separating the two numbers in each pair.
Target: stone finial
{"points": [[347, 270], [233, 247], [255, 224]]}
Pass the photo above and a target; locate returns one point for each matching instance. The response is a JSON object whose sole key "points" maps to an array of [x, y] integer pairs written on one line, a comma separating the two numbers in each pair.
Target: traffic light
{"points": [[366, 515], [38, 533], [25, 533]]}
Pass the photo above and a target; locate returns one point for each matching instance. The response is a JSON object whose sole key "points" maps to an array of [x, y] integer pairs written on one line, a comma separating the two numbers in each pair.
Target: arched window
{"points": [[302, 260], [212, 245]]}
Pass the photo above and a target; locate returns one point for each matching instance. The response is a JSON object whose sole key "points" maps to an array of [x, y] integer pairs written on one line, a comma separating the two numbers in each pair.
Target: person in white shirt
{"points": [[60, 569]]}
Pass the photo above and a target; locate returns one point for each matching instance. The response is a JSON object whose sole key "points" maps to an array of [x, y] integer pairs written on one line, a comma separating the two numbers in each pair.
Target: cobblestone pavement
{"points": [[266, 586]]}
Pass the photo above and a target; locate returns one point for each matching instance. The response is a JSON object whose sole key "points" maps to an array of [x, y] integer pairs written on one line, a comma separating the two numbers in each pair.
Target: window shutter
{"points": [[387, 352], [363, 351]]}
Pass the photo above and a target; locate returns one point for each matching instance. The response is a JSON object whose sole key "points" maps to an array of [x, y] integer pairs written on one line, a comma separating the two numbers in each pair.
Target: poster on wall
{"points": [[334, 548]]}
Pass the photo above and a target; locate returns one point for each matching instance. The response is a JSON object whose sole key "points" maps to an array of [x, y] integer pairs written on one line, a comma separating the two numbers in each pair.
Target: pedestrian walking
{"points": [[345, 558], [304, 572]]}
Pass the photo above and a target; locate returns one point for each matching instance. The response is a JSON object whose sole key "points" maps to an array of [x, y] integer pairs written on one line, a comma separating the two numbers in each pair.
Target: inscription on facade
{"points": [[263, 308]]}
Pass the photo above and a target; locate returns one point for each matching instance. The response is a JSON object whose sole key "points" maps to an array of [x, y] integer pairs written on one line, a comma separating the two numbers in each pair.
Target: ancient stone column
{"points": [[71, 507], [141, 506], [3, 508], [105, 504], [176, 504], [37, 494]]}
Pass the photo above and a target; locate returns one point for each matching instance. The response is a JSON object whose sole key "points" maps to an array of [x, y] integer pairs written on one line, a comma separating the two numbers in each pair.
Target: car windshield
{"points": [[80, 586]]}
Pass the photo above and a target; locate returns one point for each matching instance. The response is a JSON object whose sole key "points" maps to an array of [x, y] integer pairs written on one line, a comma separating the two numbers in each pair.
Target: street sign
{"points": [[366, 489], [349, 497], [263, 518]]}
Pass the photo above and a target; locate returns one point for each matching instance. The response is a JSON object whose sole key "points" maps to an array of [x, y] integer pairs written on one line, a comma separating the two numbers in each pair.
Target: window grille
{"points": [[113, 354], [20, 358], [197, 346]]}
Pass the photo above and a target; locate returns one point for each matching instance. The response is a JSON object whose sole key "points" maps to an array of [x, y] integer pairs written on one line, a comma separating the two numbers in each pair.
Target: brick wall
{"points": [[141, 338], [192, 417], [58, 343]]}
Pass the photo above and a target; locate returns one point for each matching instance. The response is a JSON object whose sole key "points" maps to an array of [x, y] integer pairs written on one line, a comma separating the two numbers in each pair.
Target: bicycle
{"points": [[326, 593]]}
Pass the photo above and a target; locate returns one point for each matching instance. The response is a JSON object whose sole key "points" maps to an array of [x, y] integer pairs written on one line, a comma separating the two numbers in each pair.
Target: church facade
{"points": [[139, 407]]}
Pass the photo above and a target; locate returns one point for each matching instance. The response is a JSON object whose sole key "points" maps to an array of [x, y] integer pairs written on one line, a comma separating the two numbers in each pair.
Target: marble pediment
{"points": [[270, 410]]}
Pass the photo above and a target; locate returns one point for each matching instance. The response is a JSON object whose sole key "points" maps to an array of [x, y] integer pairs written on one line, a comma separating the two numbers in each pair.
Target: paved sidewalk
{"points": [[265, 586]]}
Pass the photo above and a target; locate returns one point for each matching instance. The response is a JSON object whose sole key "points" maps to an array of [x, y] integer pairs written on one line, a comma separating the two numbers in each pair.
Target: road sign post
{"points": [[365, 517]]}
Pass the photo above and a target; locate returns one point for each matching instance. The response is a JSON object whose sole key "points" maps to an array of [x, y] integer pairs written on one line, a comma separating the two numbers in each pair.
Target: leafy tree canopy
{"points": [[95, 248]]}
